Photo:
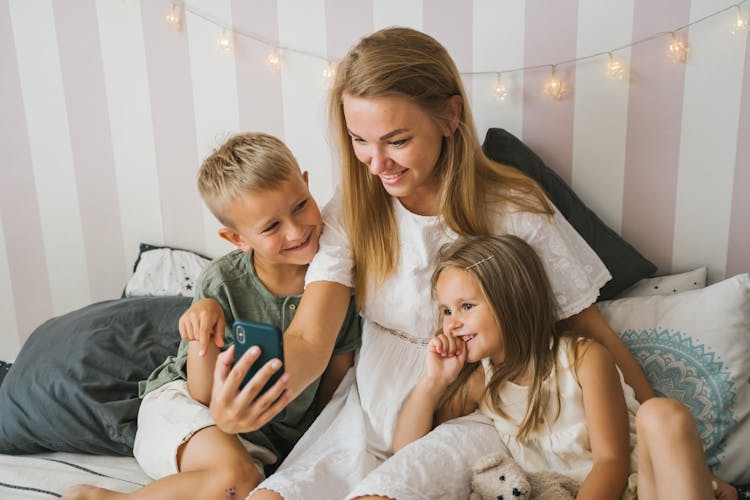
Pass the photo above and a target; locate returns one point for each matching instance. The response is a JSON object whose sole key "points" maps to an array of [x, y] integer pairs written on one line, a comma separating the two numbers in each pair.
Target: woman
{"points": [[413, 177]]}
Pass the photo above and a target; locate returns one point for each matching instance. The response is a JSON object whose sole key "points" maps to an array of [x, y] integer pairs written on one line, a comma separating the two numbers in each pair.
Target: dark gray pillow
{"points": [[625, 263], [74, 385]]}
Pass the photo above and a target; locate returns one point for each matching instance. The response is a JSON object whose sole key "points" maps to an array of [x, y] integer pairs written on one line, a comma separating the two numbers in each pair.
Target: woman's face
{"points": [[400, 144]]}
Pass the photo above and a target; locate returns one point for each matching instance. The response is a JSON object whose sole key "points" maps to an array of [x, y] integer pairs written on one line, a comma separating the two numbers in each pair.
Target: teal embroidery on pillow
{"points": [[680, 369]]}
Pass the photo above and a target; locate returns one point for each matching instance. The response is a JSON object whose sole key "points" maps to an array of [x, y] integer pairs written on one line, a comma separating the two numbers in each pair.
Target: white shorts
{"points": [[167, 418]]}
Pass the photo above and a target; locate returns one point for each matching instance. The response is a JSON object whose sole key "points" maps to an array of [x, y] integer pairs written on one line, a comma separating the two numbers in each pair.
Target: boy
{"points": [[254, 186]]}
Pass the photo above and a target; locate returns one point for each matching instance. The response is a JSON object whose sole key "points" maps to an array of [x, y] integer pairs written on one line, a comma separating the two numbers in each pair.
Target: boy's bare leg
{"points": [[671, 461], [213, 465]]}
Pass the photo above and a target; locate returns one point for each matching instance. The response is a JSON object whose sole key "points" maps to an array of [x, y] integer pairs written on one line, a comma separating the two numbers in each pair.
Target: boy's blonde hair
{"points": [[514, 283], [247, 162], [402, 62]]}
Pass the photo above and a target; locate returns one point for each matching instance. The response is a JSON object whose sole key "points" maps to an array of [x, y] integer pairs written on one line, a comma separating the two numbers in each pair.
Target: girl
{"points": [[557, 400]]}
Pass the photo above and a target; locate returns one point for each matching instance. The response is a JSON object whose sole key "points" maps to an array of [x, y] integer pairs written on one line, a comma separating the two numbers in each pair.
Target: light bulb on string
{"points": [[615, 68], [226, 41], [329, 72], [554, 87], [678, 49], [174, 17], [274, 60], [740, 23], [501, 92]]}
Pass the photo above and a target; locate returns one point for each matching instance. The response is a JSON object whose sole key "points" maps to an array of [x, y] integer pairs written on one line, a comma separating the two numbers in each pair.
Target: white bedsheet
{"points": [[46, 475]]}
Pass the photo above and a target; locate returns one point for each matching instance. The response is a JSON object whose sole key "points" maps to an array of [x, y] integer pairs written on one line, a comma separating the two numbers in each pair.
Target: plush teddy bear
{"points": [[499, 477]]}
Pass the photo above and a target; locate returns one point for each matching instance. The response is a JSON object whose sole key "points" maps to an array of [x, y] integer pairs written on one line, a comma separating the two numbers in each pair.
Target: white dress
{"points": [[345, 453], [562, 444]]}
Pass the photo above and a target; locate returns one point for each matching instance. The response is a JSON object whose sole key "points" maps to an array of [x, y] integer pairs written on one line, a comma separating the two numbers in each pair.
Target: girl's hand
{"points": [[202, 322], [446, 355]]}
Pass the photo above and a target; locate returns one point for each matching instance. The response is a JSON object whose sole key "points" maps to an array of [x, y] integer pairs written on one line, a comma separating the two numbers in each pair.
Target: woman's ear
{"points": [[235, 239], [454, 106]]}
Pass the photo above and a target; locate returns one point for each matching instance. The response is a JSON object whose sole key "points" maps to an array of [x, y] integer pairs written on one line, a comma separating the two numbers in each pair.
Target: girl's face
{"points": [[400, 144], [467, 315]]}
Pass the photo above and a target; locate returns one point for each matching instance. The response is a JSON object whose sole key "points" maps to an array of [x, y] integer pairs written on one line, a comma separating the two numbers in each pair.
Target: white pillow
{"points": [[667, 285], [165, 271], [695, 347]]}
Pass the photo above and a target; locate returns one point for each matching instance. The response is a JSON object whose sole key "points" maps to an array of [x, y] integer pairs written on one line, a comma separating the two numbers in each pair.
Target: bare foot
{"points": [[88, 492]]}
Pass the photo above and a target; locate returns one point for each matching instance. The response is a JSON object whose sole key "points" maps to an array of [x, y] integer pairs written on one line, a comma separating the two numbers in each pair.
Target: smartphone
{"points": [[247, 334]]}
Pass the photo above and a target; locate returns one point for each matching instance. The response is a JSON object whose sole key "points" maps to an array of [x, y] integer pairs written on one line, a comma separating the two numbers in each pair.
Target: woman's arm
{"points": [[607, 422], [308, 345], [590, 323]]}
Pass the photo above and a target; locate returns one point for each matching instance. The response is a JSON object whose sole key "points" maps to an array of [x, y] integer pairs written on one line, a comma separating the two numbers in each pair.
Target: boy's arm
{"points": [[607, 422], [329, 382], [590, 323], [200, 371]]}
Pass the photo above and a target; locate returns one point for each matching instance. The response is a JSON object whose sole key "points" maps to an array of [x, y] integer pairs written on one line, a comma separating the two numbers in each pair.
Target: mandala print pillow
{"points": [[695, 346]]}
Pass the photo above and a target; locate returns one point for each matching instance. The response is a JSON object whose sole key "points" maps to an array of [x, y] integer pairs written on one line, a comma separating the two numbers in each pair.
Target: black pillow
{"points": [[624, 262], [74, 385]]}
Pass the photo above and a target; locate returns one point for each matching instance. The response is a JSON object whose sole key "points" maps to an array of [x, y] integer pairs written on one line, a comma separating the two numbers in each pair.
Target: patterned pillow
{"points": [[667, 285], [695, 346], [165, 271]]}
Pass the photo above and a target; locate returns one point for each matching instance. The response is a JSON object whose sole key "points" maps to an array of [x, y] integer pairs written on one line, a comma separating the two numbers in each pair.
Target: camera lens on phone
{"points": [[240, 335]]}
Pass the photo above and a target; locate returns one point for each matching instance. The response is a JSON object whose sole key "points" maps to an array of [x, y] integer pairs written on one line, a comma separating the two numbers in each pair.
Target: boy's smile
{"points": [[281, 225]]}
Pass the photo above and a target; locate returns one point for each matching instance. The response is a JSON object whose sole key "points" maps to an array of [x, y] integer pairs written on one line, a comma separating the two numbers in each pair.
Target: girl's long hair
{"points": [[514, 283], [402, 62]]}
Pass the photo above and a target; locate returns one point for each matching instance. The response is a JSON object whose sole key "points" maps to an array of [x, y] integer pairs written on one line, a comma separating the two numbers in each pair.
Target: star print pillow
{"points": [[695, 346], [161, 271]]}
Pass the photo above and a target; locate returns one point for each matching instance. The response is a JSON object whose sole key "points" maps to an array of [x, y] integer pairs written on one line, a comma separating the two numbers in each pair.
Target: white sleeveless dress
{"points": [[346, 453], [562, 445]]}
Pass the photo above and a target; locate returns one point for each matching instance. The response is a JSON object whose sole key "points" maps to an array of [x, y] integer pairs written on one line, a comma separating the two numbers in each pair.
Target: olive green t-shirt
{"points": [[232, 281]]}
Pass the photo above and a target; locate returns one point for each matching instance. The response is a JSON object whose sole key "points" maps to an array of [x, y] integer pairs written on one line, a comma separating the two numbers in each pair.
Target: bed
{"points": [[69, 402]]}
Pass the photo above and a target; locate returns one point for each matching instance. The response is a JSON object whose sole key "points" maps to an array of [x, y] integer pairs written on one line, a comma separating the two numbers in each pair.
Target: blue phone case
{"points": [[247, 334]]}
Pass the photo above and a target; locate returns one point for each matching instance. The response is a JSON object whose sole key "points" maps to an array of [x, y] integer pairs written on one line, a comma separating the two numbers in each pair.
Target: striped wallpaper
{"points": [[106, 113]]}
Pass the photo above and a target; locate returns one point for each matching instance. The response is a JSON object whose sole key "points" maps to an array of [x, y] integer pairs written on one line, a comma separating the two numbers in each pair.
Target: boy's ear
{"points": [[235, 239], [305, 176], [454, 108]]}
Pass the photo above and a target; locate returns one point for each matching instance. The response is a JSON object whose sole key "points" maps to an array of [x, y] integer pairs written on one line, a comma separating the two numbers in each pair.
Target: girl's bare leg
{"points": [[671, 461]]}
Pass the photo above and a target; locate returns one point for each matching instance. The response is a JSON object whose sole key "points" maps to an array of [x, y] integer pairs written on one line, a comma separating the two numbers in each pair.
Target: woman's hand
{"points": [[446, 355], [238, 410], [203, 321]]}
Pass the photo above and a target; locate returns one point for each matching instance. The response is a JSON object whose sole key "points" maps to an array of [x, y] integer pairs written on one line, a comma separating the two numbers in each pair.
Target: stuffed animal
{"points": [[499, 477]]}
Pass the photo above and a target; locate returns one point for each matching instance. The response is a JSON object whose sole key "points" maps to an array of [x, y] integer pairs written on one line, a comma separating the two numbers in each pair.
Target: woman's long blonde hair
{"points": [[514, 283], [406, 63]]}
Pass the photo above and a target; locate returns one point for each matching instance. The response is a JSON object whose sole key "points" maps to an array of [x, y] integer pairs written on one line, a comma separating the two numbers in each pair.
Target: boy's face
{"points": [[281, 225]]}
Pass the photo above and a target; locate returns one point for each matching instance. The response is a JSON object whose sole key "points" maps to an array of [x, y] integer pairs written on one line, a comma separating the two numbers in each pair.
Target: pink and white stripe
{"points": [[107, 113]]}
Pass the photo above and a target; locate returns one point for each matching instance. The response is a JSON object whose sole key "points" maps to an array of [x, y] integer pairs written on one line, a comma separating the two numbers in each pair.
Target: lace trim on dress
{"points": [[402, 335]]}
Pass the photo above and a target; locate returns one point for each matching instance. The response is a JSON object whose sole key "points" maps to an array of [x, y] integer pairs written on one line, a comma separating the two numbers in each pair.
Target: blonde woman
{"points": [[413, 178]]}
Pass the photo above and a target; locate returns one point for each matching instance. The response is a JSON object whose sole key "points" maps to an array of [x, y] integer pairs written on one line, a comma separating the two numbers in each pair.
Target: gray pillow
{"points": [[74, 385], [625, 263]]}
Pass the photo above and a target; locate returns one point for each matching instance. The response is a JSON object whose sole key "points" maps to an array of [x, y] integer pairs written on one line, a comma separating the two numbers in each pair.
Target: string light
{"points": [[615, 68], [678, 49], [329, 72], [274, 60], [174, 17], [501, 92], [226, 41], [740, 23], [554, 87]]}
